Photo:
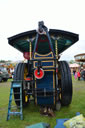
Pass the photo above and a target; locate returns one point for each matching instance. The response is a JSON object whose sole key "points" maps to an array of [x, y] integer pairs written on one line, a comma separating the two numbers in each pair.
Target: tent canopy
{"points": [[74, 65]]}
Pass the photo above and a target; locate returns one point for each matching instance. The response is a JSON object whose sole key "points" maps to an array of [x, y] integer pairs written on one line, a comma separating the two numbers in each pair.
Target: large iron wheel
{"points": [[65, 83], [20, 74]]}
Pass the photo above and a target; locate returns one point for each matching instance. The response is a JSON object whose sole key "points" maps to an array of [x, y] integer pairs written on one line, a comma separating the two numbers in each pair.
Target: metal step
{"points": [[15, 84]]}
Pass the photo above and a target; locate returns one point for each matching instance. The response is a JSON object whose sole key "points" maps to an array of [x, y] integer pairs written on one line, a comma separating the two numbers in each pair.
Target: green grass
{"points": [[31, 112]]}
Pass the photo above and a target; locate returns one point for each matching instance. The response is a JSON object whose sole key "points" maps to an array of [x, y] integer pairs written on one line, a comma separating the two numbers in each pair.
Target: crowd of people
{"points": [[80, 75]]}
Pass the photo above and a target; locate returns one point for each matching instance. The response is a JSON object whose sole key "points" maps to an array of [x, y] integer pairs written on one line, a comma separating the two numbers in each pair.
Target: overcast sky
{"points": [[18, 16]]}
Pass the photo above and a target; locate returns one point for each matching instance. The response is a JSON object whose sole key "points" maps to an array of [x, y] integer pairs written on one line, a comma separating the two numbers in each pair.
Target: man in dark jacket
{"points": [[83, 74]]}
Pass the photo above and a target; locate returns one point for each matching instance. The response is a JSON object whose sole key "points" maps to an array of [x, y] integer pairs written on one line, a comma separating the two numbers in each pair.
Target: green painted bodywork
{"points": [[64, 41]]}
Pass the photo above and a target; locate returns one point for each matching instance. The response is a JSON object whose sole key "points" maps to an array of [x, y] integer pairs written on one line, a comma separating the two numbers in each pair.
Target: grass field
{"points": [[31, 112]]}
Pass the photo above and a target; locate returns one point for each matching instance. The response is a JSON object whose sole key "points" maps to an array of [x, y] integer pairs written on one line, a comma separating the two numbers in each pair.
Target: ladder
{"points": [[17, 85]]}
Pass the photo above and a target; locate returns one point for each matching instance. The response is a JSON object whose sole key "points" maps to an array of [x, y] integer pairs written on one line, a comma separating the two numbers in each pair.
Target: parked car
{"points": [[3, 74]]}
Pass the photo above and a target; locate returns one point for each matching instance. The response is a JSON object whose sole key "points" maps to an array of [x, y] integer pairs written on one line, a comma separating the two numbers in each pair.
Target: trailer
{"points": [[44, 77]]}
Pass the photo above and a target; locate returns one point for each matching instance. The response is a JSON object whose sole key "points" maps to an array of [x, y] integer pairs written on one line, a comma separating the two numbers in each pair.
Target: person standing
{"points": [[83, 74], [78, 75], [75, 76], [74, 71]]}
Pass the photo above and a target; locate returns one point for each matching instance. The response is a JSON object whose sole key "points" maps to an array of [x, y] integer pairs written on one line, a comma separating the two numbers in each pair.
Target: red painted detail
{"points": [[40, 40], [40, 75], [56, 70], [45, 40], [37, 45], [26, 55], [28, 78]]}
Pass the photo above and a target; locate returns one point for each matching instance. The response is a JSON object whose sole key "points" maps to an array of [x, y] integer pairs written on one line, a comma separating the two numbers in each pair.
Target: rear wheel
{"points": [[20, 74], [65, 83]]}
